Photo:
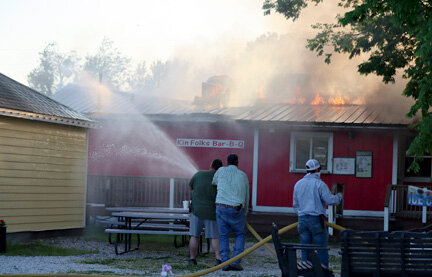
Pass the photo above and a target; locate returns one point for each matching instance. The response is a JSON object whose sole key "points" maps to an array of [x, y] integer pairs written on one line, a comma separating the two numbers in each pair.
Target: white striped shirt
{"points": [[232, 187]]}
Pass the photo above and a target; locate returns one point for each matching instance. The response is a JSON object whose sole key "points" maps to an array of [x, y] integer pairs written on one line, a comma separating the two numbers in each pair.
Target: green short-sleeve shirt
{"points": [[204, 195]]}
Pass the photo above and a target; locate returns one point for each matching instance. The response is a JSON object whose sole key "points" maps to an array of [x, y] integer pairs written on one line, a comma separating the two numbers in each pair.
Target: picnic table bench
{"points": [[147, 223], [287, 258], [380, 253], [138, 232]]}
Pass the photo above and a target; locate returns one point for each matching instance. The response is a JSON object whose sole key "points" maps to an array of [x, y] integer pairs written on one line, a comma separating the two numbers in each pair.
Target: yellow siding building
{"points": [[43, 161]]}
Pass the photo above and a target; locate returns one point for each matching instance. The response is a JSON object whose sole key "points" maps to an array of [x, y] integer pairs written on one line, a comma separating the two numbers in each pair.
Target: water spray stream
{"points": [[130, 144]]}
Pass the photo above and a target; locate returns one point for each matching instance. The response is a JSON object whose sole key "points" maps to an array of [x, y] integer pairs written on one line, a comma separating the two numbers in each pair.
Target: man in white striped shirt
{"points": [[232, 202]]}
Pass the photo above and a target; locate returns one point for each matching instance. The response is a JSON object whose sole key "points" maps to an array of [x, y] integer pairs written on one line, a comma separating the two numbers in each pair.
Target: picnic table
{"points": [[148, 210], [148, 221]]}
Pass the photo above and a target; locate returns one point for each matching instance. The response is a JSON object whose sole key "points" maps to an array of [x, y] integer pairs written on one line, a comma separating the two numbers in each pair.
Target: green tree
{"points": [[109, 65], [54, 71], [137, 79], [396, 35], [159, 71], [143, 80]]}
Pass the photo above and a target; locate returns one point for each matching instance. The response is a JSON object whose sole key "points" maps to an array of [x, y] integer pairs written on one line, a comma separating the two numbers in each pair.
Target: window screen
{"points": [[302, 152], [320, 151], [310, 146]]}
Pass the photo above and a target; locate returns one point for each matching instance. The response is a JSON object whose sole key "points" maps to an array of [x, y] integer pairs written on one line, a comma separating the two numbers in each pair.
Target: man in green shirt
{"points": [[203, 211]]}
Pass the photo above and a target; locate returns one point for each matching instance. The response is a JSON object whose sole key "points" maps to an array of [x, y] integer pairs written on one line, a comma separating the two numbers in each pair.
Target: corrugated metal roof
{"points": [[86, 101], [152, 105], [346, 114], [94, 99], [18, 100]]}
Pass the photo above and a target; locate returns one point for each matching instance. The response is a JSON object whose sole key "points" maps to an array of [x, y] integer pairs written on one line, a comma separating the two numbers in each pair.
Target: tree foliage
{"points": [[396, 34], [108, 65], [159, 71], [54, 70]]}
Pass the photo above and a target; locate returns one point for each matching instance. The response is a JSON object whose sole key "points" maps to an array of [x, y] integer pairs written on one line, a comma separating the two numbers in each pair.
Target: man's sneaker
{"points": [[192, 261], [218, 262], [227, 268], [233, 267], [236, 267]]}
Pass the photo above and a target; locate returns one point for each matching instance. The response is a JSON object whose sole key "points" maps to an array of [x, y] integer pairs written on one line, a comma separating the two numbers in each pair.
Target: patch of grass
{"points": [[335, 260], [38, 248], [95, 233], [270, 260], [153, 264]]}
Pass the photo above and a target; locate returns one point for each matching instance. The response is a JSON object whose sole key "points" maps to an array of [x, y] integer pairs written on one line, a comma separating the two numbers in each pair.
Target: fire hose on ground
{"points": [[220, 266], [254, 247]]}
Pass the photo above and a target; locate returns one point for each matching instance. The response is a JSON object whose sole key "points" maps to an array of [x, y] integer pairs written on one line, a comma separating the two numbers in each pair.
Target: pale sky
{"points": [[223, 37], [143, 30]]}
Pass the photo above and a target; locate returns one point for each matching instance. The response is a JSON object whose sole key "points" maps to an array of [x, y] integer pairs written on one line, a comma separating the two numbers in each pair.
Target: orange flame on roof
{"points": [[338, 100], [302, 100], [318, 100]]}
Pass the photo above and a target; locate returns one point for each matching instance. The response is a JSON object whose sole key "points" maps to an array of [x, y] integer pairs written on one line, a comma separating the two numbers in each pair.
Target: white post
{"points": [[171, 193], [330, 215], [395, 158], [255, 169], [386, 218], [424, 214], [394, 182]]}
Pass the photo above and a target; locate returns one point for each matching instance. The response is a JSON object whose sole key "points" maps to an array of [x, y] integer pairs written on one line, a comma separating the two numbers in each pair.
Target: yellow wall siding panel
{"points": [[42, 189], [45, 226], [44, 128], [38, 166], [42, 175], [9, 181], [29, 142], [41, 211], [14, 157], [41, 204], [8, 149], [6, 133], [41, 218], [40, 196]]}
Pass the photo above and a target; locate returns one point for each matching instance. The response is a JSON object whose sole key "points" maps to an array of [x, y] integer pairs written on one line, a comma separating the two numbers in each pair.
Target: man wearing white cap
{"points": [[311, 195]]}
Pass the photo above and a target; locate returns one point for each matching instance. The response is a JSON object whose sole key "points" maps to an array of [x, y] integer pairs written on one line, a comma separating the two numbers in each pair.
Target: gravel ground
{"points": [[259, 263]]}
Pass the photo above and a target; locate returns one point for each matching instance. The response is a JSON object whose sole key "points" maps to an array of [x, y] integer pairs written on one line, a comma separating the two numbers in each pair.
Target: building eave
{"points": [[328, 125], [49, 118]]}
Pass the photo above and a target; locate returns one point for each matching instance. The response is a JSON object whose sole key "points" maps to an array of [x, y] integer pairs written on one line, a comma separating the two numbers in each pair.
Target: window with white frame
{"points": [[311, 145]]}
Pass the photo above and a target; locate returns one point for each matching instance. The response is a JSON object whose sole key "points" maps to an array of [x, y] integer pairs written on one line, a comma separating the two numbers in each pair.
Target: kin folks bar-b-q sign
{"points": [[210, 143]]}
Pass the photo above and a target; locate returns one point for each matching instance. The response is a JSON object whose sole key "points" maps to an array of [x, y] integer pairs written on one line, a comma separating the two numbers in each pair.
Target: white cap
{"points": [[312, 164]]}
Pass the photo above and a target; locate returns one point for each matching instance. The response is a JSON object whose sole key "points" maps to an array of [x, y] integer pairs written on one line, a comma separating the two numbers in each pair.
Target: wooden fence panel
{"points": [[136, 191]]}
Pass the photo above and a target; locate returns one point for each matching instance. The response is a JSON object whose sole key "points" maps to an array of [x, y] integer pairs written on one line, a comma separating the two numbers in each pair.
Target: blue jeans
{"points": [[310, 230], [230, 219]]}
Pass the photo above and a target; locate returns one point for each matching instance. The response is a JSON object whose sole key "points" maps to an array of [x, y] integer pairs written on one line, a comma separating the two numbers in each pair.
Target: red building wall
{"points": [[276, 183], [139, 152]]}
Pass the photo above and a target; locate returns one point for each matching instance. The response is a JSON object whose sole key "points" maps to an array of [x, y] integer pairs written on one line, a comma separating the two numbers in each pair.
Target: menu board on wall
{"points": [[364, 164], [344, 166]]}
